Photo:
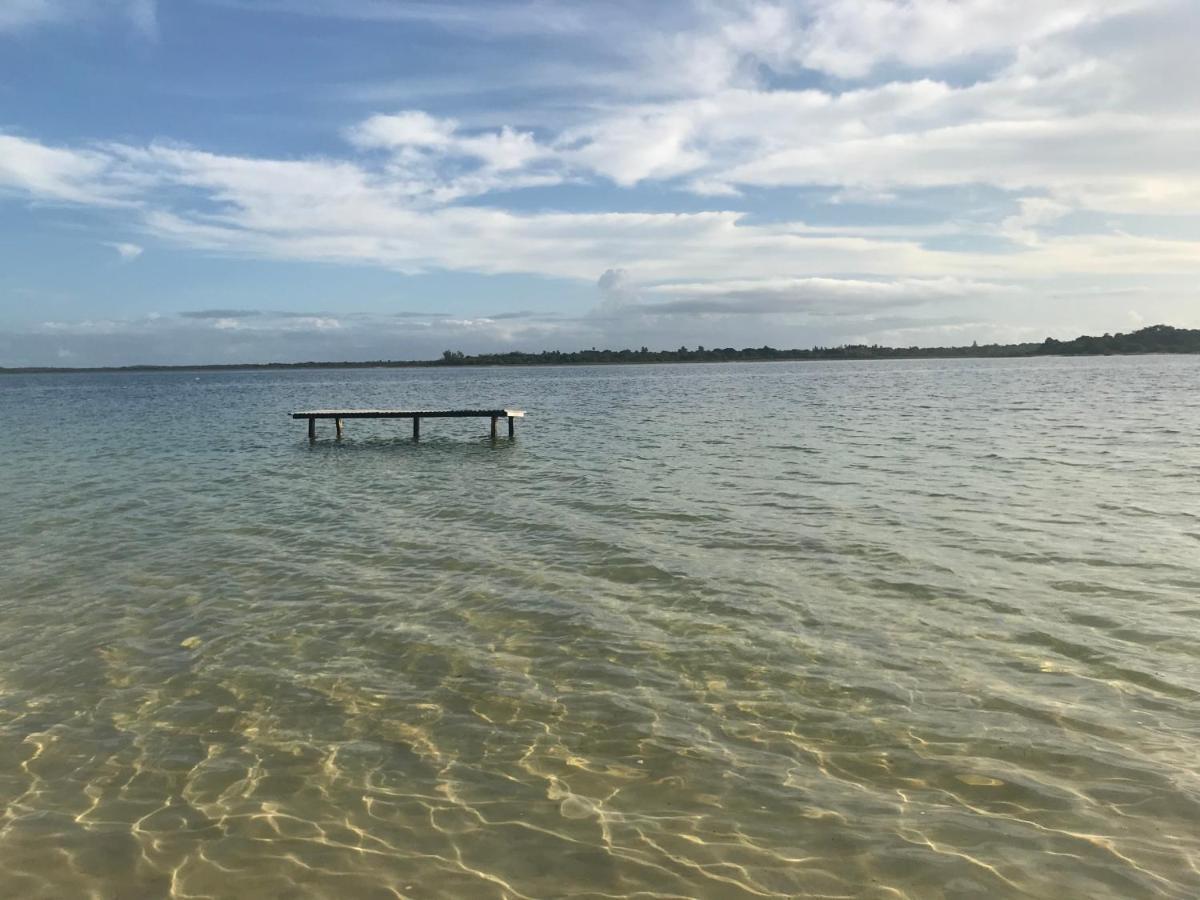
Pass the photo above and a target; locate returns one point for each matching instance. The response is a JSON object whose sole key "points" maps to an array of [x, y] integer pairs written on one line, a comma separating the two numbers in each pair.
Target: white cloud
{"points": [[412, 128], [1116, 162], [125, 250], [634, 146], [1052, 118], [1035, 212], [269, 323], [346, 211], [144, 16], [54, 173], [827, 296], [1053, 109], [700, 46], [850, 40], [499, 17], [1056, 133], [438, 161], [618, 292], [22, 15], [613, 282]]}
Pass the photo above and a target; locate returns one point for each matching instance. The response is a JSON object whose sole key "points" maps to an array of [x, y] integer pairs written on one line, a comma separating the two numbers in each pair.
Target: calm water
{"points": [[883, 630]]}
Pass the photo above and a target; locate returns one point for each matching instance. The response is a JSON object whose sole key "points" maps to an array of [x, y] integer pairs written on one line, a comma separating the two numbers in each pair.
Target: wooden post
{"points": [[339, 416]]}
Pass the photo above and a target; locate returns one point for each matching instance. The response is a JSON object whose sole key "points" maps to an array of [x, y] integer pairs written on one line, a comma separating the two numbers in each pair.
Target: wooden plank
{"points": [[339, 415], [404, 413]]}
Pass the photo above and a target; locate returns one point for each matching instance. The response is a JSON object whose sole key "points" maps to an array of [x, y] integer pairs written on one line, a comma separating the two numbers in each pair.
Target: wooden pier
{"points": [[340, 415]]}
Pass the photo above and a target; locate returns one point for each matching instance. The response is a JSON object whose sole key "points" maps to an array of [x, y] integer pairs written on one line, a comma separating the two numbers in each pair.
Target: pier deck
{"points": [[339, 415]]}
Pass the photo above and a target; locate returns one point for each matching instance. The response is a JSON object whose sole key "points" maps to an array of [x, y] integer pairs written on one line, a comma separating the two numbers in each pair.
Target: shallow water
{"points": [[892, 629]]}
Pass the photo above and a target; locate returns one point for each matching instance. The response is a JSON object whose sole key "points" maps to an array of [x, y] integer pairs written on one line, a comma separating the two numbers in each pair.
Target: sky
{"points": [[196, 181]]}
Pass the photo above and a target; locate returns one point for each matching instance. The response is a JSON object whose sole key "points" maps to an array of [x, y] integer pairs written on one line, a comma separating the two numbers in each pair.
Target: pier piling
{"points": [[340, 415]]}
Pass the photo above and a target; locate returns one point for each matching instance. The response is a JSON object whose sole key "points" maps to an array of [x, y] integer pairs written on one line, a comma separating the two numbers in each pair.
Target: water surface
{"points": [[889, 630]]}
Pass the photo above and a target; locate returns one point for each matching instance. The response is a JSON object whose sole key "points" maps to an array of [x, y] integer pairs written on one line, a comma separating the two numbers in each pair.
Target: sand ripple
{"points": [[892, 630]]}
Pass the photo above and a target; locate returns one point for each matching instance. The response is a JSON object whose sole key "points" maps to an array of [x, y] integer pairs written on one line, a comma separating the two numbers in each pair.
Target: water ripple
{"points": [[888, 630]]}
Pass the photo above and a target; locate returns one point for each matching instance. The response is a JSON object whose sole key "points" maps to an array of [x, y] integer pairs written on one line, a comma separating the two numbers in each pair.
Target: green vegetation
{"points": [[1154, 339]]}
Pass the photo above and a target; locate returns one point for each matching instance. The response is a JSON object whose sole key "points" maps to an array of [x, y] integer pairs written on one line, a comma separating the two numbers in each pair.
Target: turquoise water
{"points": [[888, 630]]}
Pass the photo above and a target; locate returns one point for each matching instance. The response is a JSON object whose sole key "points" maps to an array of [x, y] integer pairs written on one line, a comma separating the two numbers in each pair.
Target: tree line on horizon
{"points": [[1152, 339]]}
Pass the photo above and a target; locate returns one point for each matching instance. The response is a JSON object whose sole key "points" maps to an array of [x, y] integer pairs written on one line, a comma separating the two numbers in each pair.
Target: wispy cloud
{"points": [[76, 175], [823, 296], [501, 17], [24, 15], [125, 250], [221, 313]]}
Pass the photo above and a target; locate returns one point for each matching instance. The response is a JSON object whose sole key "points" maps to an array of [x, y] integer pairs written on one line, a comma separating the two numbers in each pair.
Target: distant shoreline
{"points": [[1155, 339]]}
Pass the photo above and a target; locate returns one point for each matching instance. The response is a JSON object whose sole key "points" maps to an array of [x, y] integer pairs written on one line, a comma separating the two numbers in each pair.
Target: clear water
{"points": [[892, 629]]}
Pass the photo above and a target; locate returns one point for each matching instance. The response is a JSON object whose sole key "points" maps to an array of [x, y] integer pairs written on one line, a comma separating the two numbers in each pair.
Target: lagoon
{"points": [[890, 629]]}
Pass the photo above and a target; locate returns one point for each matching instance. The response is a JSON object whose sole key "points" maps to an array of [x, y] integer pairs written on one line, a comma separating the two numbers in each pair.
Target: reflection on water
{"points": [[923, 629]]}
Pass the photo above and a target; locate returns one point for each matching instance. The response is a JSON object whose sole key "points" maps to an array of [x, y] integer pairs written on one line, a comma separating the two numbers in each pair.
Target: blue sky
{"points": [[228, 180]]}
